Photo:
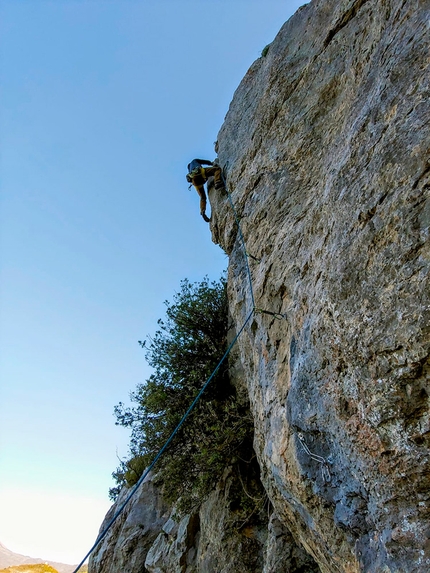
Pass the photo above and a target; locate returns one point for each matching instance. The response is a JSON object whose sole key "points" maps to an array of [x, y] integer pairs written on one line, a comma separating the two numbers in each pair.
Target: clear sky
{"points": [[103, 104]]}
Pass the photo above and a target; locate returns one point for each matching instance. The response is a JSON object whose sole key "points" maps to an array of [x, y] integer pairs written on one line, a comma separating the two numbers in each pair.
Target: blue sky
{"points": [[103, 104]]}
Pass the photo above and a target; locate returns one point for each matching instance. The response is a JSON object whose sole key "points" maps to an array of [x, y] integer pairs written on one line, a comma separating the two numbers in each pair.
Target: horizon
{"points": [[37, 558]]}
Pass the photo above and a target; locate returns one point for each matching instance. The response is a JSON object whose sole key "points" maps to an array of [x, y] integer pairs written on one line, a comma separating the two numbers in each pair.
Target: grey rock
{"points": [[325, 149], [282, 552], [209, 541], [128, 541], [174, 553], [223, 547]]}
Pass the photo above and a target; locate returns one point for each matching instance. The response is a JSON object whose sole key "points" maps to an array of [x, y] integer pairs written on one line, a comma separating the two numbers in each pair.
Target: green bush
{"points": [[265, 50], [184, 352]]}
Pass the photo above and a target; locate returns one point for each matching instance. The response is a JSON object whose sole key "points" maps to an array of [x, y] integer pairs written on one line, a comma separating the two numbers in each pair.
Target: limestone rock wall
{"points": [[126, 545], [325, 150], [149, 537]]}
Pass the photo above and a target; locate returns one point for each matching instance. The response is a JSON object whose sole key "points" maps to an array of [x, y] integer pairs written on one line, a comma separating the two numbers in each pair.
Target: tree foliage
{"points": [[184, 352]]}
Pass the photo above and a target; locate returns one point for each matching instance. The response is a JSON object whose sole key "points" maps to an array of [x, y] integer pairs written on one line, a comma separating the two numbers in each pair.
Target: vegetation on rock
{"points": [[184, 352], [265, 50]]}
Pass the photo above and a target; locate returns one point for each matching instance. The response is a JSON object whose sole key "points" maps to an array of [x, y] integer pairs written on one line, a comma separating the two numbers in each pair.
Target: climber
{"points": [[198, 175]]}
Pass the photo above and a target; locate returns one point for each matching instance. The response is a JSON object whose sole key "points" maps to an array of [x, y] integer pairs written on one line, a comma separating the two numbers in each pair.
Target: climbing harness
{"points": [[197, 176]]}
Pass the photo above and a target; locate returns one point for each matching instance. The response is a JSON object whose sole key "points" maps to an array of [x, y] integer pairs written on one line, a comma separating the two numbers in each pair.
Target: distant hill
{"points": [[37, 568], [11, 562]]}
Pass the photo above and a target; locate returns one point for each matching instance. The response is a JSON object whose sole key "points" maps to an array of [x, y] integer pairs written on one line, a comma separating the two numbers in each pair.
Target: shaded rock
{"points": [[216, 539], [174, 552], [225, 544], [282, 552]]}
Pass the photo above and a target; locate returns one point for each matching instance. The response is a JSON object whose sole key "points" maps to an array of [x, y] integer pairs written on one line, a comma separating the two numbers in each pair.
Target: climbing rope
{"points": [[103, 534], [120, 510], [242, 240], [277, 315]]}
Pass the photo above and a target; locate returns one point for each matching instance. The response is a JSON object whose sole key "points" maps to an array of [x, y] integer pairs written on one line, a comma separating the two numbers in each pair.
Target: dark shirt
{"points": [[197, 163]]}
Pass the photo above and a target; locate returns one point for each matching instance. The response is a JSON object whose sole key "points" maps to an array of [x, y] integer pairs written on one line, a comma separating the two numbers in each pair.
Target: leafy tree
{"points": [[184, 352]]}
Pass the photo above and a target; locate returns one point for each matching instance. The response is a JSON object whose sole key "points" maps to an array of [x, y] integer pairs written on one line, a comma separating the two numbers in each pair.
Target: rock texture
{"points": [[128, 541], [149, 538], [325, 149]]}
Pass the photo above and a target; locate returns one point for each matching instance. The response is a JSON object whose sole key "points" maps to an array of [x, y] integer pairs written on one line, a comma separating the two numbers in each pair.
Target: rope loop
{"points": [[277, 315], [325, 470], [252, 257]]}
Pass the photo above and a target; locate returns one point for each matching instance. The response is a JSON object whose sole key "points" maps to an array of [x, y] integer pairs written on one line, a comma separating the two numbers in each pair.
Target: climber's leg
{"points": [[201, 191], [216, 172]]}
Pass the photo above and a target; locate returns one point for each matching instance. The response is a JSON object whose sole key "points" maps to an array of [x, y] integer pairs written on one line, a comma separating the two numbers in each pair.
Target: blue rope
{"points": [[163, 449], [276, 315], [242, 240], [103, 534]]}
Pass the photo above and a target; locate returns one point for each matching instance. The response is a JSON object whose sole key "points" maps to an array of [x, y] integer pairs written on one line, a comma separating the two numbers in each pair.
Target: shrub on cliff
{"points": [[184, 352], [265, 50]]}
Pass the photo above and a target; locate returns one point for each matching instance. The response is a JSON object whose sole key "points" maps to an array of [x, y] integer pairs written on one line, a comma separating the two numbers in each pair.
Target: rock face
{"points": [[325, 150], [128, 541], [148, 537]]}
